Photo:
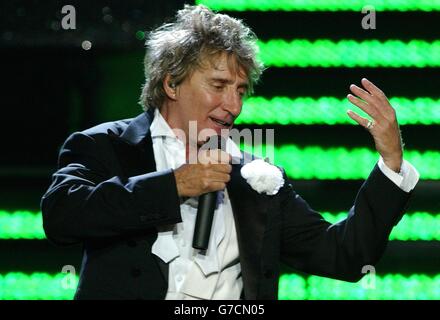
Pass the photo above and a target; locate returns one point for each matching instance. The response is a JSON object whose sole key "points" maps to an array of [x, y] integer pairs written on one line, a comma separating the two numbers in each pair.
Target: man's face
{"points": [[212, 96]]}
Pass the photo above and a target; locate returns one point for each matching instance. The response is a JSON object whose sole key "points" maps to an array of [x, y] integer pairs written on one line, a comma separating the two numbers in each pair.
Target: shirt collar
{"points": [[159, 126]]}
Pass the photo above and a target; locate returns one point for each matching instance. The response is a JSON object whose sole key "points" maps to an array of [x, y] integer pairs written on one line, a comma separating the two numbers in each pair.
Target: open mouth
{"points": [[221, 122]]}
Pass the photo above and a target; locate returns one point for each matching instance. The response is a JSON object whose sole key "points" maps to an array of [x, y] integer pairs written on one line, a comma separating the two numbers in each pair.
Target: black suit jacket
{"points": [[107, 195]]}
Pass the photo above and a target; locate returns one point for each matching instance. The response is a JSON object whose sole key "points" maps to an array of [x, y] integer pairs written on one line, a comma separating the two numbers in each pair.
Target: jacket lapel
{"points": [[134, 146], [250, 214]]}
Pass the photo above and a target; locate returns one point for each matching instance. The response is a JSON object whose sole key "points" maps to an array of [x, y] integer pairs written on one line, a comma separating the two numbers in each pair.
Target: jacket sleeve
{"points": [[85, 201], [313, 245]]}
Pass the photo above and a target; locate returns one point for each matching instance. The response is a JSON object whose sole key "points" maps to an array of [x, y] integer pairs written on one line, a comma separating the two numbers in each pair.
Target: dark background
{"points": [[52, 87]]}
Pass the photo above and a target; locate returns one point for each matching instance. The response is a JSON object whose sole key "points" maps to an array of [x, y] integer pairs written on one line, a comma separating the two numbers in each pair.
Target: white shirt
{"points": [[406, 179], [192, 274], [216, 274]]}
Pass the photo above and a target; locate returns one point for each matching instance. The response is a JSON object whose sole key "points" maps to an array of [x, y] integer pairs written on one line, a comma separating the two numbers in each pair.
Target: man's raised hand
{"points": [[384, 127]]}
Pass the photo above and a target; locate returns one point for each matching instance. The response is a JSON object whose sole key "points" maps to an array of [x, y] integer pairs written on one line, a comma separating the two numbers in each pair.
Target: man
{"points": [[128, 190]]}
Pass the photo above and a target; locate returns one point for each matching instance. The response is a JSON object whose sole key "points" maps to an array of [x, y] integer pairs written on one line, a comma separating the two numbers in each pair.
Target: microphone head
{"points": [[215, 142]]}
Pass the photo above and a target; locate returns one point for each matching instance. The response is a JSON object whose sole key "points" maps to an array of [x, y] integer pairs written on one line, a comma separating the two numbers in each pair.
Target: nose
{"points": [[233, 103]]}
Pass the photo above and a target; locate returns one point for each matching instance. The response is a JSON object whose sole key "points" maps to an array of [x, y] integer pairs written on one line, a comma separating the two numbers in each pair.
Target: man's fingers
{"points": [[222, 168], [371, 87], [361, 93], [219, 167], [214, 177], [360, 120], [219, 176], [216, 186], [372, 112], [214, 157], [384, 107]]}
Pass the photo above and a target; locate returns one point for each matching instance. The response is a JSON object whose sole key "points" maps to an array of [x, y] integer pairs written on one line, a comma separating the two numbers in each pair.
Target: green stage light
{"points": [[315, 162], [21, 225], [331, 111], [417, 226], [43, 286], [321, 5], [413, 226], [37, 286], [350, 53], [386, 287]]}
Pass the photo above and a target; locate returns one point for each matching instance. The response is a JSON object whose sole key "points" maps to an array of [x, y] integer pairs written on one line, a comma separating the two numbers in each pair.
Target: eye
{"points": [[217, 87]]}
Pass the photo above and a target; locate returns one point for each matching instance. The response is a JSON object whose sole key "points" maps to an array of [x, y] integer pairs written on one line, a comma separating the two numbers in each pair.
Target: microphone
{"points": [[206, 206]]}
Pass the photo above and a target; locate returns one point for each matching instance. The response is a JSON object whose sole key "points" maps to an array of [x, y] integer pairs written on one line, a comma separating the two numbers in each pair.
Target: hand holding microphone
{"points": [[193, 180], [204, 179]]}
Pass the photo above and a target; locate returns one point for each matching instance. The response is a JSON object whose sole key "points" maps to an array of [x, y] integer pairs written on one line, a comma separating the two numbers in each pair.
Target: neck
{"points": [[190, 146]]}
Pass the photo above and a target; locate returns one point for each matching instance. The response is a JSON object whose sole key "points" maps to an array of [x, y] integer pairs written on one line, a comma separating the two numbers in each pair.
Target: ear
{"points": [[170, 87]]}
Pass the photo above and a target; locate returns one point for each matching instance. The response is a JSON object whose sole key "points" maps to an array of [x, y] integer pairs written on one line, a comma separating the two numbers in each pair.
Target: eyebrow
{"points": [[228, 81]]}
